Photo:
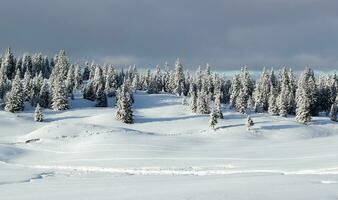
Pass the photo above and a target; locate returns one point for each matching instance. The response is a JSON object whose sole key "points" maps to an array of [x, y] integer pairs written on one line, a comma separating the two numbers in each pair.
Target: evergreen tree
{"points": [[304, 97], [8, 63], [179, 77], [124, 110], [101, 98], [70, 81], [4, 85], [333, 112], [26, 64], [273, 108], [86, 72], [213, 119], [249, 123], [203, 102], [218, 106], [59, 95], [193, 101], [44, 95], [235, 90], [38, 114], [14, 99], [77, 77]]}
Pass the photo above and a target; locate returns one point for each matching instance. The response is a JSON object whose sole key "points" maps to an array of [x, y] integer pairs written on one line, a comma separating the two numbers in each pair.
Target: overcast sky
{"points": [[225, 33]]}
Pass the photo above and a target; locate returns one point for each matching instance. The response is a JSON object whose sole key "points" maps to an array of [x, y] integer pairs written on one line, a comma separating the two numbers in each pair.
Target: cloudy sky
{"points": [[225, 33]]}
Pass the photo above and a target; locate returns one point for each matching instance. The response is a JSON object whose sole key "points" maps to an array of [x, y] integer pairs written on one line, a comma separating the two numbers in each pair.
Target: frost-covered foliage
{"points": [[14, 99], [38, 114], [213, 119], [50, 82], [124, 103]]}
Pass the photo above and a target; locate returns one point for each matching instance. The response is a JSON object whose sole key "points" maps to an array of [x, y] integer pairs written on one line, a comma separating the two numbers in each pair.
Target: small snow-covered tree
{"points": [[213, 119], [249, 123], [38, 114], [14, 99]]}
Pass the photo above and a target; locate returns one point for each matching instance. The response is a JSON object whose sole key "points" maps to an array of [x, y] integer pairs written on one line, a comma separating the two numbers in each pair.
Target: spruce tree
{"points": [[273, 108], [213, 119], [235, 90], [333, 112], [38, 114], [124, 110], [218, 105], [59, 95], [179, 77], [8, 63], [101, 98], [44, 95], [14, 99], [249, 123], [304, 97]]}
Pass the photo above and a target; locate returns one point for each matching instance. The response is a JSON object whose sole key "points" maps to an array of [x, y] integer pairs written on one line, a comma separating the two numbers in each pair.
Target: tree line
{"points": [[50, 83]]}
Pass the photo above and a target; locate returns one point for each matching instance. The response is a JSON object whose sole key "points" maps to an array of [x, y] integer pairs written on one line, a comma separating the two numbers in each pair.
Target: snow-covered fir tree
{"points": [[218, 105], [203, 102], [273, 107], [38, 114], [333, 112], [235, 90], [59, 95], [124, 110], [249, 123], [193, 100], [27, 86], [101, 98], [179, 77], [8, 63], [44, 95], [14, 99], [213, 119], [304, 97]]}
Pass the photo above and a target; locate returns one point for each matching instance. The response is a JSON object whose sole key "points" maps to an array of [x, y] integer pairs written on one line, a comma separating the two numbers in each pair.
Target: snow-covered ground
{"points": [[169, 153]]}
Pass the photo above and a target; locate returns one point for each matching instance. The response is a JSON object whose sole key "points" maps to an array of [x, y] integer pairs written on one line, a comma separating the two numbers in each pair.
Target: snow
{"points": [[168, 153]]}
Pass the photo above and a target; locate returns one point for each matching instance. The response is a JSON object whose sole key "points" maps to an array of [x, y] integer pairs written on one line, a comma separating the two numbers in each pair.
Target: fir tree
{"points": [[44, 95], [179, 77], [38, 114], [333, 112], [59, 95], [249, 123], [14, 99], [8, 63], [203, 102], [218, 106], [101, 98], [213, 119], [235, 90], [273, 108], [124, 110], [304, 97]]}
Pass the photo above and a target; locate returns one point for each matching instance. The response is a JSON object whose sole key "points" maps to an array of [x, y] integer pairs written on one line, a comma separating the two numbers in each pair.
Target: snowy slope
{"points": [[169, 153]]}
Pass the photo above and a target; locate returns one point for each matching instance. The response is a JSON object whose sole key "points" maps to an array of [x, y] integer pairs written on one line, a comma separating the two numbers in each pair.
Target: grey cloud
{"points": [[227, 34]]}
